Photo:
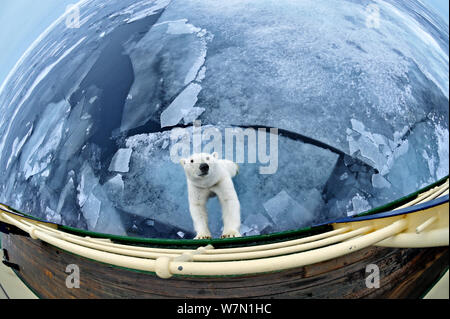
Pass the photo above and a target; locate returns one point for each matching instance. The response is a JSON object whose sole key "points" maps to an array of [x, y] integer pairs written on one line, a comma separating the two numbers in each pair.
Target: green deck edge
{"points": [[194, 243], [238, 241]]}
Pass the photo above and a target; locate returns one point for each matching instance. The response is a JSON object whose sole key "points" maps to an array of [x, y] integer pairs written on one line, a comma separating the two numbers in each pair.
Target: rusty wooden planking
{"points": [[404, 273]]}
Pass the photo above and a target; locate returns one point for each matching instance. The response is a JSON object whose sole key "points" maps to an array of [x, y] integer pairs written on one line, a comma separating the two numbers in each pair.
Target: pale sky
{"points": [[22, 21]]}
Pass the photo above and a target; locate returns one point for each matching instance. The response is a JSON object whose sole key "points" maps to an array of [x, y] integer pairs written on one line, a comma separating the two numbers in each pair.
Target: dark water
{"points": [[113, 75]]}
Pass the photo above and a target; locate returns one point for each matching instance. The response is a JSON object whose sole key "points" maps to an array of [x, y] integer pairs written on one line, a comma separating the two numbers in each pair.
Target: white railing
{"points": [[419, 229]]}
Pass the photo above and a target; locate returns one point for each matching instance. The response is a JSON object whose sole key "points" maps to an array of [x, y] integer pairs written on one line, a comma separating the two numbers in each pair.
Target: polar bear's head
{"points": [[200, 166]]}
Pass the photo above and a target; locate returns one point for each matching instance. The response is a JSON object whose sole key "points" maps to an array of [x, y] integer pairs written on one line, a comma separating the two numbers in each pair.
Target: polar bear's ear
{"points": [[182, 161], [215, 155]]}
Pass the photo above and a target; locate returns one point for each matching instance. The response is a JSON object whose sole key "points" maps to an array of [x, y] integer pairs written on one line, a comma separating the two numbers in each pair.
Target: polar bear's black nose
{"points": [[204, 167]]}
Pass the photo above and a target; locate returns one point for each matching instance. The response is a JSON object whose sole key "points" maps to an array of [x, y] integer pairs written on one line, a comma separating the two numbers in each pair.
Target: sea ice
{"points": [[115, 183], [178, 50], [360, 205], [121, 161], [52, 216], [286, 212], [43, 143], [145, 10], [256, 222], [378, 181], [91, 211], [17, 146], [182, 106]]}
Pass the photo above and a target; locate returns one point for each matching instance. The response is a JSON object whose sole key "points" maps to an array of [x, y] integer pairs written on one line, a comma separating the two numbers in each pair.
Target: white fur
{"points": [[216, 182]]}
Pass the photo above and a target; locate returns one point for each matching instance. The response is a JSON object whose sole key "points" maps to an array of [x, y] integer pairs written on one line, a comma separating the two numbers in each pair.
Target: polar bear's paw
{"points": [[202, 236], [231, 234]]}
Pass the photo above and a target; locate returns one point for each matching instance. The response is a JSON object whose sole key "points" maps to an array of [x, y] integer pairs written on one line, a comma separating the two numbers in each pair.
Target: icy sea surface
{"points": [[87, 114]]}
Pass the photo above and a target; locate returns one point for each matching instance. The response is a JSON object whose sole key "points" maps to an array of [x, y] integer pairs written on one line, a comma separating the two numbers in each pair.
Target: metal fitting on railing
{"points": [[162, 264]]}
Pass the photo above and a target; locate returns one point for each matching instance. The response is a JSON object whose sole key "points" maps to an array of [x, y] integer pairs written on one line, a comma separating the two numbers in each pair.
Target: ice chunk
{"points": [[44, 73], [181, 27], [68, 191], [443, 153], [248, 231], [145, 10], [256, 222], [378, 181], [358, 126], [43, 143], [430, 161], [179, 55], [115, 185], [79, 126], [245, 230], [46, 173], [86, 184], [199, 62], [17, 146], [182, 106], [97, 208], [181, 234], [201, 74], [194, 113], [121, 161], [52, 216], [91, 211], [360, 205], [370, 151], [287, 212]]}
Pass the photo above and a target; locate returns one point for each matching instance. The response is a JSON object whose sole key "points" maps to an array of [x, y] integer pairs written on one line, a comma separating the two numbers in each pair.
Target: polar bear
{"points": [[208, 176]]}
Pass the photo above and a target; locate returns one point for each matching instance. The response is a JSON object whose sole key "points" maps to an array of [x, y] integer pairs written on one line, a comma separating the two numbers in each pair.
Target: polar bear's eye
{"points": [[207, 158], [192, 161]]}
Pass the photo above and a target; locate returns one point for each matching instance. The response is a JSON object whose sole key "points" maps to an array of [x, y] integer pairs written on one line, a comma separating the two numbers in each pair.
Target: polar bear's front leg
{"points": [[231, 218], [200, 220], [197, 207], [231, 208]]}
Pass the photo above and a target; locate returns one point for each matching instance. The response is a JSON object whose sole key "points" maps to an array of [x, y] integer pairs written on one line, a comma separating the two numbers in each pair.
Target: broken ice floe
{"points": [[287, 212], [17, 146], [91, 210], [121, 161], [115, 184], [52, 216], [181, 234], [182, 106], [443, 154], [175, 88], [96, 206], [41, 146], [378, 181], [359, 204], [380, 151], [138, 13], [255, 224], [180, 27]]}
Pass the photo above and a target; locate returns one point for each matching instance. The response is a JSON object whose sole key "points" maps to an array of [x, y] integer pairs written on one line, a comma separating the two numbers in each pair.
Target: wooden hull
{"points": [[404, 273]]}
